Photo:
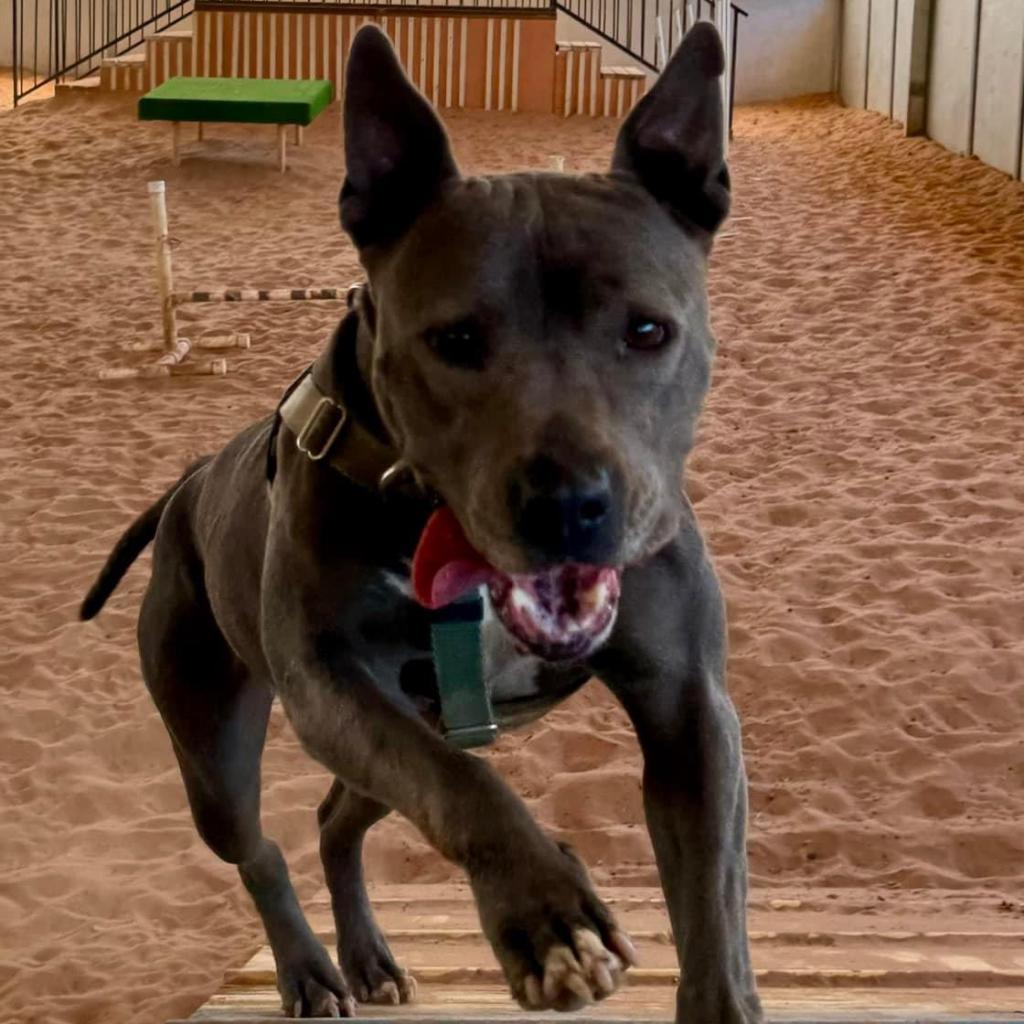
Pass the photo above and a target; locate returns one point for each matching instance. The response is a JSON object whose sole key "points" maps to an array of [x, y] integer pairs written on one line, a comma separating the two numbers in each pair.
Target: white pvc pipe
{"points": [[164, 275]]}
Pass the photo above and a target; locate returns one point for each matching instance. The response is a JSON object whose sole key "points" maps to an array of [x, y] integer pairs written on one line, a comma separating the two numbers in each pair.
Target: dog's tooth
{"points": [[594, 598]]}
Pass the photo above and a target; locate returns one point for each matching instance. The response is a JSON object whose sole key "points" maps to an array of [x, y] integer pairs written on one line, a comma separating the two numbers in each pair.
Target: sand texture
{"points": [[859, 473]]}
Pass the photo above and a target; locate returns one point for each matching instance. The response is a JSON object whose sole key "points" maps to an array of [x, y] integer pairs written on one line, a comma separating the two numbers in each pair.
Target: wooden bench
{"points": [[237, 101]]}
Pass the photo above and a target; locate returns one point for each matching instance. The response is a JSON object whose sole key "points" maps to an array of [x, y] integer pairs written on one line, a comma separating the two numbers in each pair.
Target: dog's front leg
{"points": [[555, 940], [666, 664], [695, 801]]}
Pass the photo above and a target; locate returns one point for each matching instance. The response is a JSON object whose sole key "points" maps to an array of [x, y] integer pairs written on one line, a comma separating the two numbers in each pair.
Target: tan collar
{"points": [[325, 431]]}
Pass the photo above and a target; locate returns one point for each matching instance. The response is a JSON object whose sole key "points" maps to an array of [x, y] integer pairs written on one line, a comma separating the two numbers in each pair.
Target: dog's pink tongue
{"points": [[446, 565]]}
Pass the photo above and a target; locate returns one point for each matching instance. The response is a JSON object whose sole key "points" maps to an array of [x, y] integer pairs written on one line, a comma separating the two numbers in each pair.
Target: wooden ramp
{"points": [[819, 958]]}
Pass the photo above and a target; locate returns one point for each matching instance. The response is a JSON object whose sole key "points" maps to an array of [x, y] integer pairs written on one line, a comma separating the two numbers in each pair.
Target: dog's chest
{"points": [[510, 674]]}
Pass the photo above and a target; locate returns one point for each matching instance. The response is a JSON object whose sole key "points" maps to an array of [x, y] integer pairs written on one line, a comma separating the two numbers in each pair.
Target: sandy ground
{"points": [[44, 92], [859, 475]]}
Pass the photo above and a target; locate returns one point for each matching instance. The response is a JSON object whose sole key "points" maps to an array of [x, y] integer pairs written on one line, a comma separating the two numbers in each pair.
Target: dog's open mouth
{"points": [[561, 613]]}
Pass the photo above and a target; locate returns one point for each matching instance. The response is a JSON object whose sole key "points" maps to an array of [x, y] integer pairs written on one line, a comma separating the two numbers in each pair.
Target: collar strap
{"points": [[325, 431]]}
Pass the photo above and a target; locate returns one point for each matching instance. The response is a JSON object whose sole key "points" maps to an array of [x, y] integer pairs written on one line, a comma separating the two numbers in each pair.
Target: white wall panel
{"points": [[881, 47], [950, 73], [853, 63], [786, 48], [902, 58], [1000, 89]]}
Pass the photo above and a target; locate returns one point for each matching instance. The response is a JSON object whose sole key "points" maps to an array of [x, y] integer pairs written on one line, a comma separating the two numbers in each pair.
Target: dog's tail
{"points": [[132, 543]]}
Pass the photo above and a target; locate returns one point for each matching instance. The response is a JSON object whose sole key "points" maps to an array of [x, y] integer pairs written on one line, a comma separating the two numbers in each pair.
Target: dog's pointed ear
{"points": [[673, 140], [397, 155]]}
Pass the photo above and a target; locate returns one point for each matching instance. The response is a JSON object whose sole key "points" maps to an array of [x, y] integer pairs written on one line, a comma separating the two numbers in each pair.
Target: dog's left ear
{"points": [[397, 155], [673, 140]]}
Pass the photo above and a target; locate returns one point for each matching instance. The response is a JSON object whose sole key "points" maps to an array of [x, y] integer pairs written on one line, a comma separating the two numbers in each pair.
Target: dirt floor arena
{"points": [[860, 474]]}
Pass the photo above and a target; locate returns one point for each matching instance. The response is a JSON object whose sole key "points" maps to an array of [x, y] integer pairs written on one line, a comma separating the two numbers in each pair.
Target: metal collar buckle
{"points": [[324, 407]]}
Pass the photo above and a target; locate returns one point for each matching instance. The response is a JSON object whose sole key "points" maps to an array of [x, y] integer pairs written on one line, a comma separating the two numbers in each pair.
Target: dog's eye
{"points": [[645, 334], [460, 345]]}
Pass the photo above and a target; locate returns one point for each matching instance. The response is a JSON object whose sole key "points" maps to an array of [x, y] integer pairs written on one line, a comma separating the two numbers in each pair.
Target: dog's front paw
{"points": [[557, 943], [311, 986]]}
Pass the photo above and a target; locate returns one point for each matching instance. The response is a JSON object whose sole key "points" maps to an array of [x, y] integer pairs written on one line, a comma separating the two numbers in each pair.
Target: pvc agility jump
{"points": [[177, 352]]}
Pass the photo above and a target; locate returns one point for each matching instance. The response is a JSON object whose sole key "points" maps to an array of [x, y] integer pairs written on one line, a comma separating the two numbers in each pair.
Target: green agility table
{"points": [[237, 101]]}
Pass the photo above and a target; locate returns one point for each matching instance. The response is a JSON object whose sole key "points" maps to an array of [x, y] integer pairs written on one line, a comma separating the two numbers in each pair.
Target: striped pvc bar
{"points": [[262, 295]]}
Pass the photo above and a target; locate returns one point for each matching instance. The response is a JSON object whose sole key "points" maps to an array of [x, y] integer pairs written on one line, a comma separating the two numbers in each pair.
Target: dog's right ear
{"points": [[673, 141], [397, 155]]}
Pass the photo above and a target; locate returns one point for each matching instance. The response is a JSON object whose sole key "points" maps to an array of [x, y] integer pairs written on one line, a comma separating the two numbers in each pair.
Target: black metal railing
{"points": [[649, 30], [53, 40]]}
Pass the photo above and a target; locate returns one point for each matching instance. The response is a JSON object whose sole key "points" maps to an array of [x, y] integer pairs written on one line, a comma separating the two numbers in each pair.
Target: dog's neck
{"points": [[342, 372], [364, 358]]}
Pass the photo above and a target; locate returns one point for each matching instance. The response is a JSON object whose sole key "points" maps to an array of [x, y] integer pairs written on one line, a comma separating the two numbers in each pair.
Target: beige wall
{"points": [[880, 58], [974, 97], [1000, 90], [6, 39], [786, 47], [853, 69], [950, 73]]}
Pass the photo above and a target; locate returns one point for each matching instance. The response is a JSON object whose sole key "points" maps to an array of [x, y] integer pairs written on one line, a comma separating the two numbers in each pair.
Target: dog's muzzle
{"points": [[562, 612]]}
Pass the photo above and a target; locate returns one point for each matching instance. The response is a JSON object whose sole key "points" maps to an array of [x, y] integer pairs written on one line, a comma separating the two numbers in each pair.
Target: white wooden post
{"points": [[174, 349], [175, 359]]}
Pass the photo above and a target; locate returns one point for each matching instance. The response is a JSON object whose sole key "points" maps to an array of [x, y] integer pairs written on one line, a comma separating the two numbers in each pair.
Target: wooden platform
{"points": [[819, 958]]}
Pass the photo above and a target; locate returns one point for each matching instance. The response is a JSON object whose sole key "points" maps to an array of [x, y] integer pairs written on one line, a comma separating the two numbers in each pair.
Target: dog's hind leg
{"points": [[369, 967], [217, 714]]}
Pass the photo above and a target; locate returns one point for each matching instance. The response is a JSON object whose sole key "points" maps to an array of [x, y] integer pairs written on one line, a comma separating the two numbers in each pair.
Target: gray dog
{"points": [[511, 398]]}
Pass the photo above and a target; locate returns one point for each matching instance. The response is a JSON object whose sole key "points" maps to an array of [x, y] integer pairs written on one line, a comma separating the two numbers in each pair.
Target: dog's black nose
{"points": [[565, 515]]}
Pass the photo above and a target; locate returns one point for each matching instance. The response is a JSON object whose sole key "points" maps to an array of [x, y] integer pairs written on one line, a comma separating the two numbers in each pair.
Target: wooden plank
{"points": [[784, 938], [641, 1006], [898, 968], [786, 977], [999, 959]]}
